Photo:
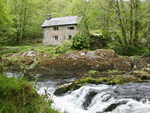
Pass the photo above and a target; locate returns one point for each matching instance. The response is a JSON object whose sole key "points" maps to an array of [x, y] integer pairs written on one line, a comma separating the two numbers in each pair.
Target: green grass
{"points": [[19, 96], [53, 50], [24, 48]]}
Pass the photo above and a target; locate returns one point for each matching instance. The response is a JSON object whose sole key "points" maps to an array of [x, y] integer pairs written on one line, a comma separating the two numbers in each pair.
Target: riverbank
{"points": [[17, 95]]}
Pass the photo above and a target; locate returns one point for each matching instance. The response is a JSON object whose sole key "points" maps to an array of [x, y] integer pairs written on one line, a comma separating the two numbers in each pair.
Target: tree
{"points": [[5, 24], [127, 21]]}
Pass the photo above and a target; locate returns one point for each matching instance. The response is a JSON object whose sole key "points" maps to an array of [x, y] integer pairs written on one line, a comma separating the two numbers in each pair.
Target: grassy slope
{"points": [[19, 96]]}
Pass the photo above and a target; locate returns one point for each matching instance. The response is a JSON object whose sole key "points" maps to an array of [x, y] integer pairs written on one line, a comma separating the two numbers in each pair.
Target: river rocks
{"points": [[75, 62], [114, 105], [67, 87], [88, 98]]}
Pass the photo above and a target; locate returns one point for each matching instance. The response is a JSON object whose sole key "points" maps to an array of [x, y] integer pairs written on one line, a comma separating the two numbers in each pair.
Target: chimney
{"points": [[48, 16]]}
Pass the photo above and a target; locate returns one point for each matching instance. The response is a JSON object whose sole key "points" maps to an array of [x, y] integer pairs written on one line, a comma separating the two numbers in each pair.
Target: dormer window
{"points": [[55, 28], [70, 27]]}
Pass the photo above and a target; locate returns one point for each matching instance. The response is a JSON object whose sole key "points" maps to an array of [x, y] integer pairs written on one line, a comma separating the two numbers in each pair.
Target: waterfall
{"points": [[106, 99]]}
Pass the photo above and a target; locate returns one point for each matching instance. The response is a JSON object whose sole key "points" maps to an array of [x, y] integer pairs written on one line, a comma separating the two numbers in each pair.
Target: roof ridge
{"points": [[66, 16]]}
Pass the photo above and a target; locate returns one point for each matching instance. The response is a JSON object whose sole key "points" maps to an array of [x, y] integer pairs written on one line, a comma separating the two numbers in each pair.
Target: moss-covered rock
{"points": [[110, 77]]}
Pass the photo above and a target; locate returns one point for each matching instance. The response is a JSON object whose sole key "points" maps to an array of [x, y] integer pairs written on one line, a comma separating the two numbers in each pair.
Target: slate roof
{"points": [[70, 20]]}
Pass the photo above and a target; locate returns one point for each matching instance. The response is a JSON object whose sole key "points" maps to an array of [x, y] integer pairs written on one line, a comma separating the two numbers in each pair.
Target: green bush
{"points": [[63, 48], [130, 50], [80, 41], [17, 95]]}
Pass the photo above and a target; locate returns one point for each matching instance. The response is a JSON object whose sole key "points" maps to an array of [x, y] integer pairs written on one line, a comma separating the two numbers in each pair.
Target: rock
{"points": [[139, 63], [122, 64], [65, 88], [88, 98], [60, 91], [76, 62], [100, 55], [114, 105]]}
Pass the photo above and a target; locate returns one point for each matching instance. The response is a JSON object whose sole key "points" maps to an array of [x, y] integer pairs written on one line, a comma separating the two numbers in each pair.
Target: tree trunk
{"points": [[136, 22], [121, 24], [148, 40], [1, 67], [131, 21], [24, 21]]}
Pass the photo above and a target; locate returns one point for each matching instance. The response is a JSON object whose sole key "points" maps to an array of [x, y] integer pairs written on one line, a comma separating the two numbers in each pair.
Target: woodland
{"points": [[127, 22]]}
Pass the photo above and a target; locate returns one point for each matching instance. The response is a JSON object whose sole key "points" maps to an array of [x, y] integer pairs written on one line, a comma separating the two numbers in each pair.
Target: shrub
{"points": [[17, 95], [63, 48], [80, 41]]}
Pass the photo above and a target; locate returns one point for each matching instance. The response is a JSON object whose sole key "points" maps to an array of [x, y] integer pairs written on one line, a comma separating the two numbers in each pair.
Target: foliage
{"points": [[63, 48], [80, 41], [127, 23], [18, 95], [5, 24]]}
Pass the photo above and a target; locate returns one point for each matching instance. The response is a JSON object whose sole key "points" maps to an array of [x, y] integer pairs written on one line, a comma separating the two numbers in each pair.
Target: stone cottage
{"points": [[56, 30]]}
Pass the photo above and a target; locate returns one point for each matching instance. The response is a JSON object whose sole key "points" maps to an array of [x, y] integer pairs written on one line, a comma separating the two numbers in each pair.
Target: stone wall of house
{"points": [[63, 34]]}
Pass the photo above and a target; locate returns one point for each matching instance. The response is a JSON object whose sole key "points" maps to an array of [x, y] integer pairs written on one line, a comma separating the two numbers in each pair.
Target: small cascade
{"points": [[106, 99]]}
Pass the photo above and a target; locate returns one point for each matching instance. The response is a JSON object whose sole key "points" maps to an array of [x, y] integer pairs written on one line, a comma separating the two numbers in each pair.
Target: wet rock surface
{"points": [[136, 91], [114, 105], [89, 98], [121, 93]]}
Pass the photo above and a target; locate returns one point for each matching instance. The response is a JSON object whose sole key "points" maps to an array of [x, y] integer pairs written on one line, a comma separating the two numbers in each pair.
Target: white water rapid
{"points": [[103, 99]]}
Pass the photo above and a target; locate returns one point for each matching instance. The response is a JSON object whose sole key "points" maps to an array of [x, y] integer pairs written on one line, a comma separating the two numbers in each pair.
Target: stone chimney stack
{"points": [[48, 16]]}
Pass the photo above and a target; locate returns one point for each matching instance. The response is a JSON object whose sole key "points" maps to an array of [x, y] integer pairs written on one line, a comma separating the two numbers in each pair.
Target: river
{"points": [[91, 98]]}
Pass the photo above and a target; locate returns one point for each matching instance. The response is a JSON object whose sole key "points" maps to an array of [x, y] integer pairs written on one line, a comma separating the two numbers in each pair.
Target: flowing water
{"points": [[128, 98]]}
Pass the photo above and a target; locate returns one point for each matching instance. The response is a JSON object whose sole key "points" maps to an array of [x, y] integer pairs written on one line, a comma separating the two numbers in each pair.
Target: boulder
{"points": [[122, 64]]}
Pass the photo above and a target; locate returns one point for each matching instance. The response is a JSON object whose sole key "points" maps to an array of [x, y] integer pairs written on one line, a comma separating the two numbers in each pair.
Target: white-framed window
{"points": [[55, 28], [69, 37], [55, 37], [70, 27]]}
